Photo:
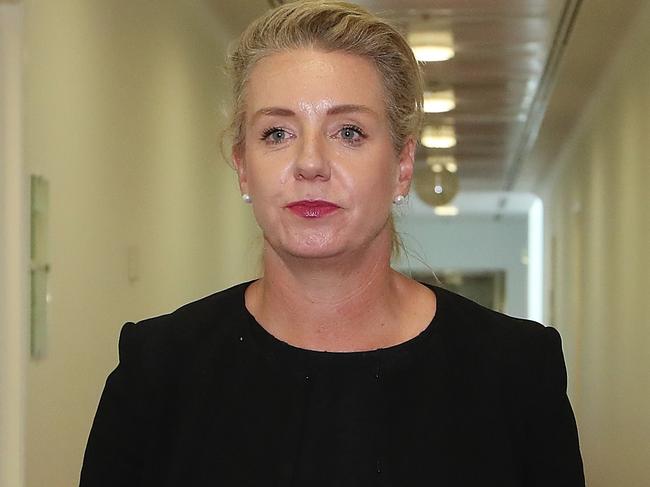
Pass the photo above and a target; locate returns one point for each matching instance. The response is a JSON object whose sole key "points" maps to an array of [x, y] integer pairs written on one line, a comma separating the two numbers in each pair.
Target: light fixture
{"points": [[432, 46], [448, 162], [435, 184], [446, 210], [433, 53], [438, 137], [439, 101]]}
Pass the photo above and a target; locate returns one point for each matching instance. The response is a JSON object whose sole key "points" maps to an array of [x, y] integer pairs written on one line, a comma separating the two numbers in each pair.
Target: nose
{"points": [[312, 162]]}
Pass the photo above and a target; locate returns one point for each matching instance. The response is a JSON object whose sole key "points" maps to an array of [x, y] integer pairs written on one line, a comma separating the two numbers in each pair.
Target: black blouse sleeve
{"points": [[112, 454], [553, 457]]}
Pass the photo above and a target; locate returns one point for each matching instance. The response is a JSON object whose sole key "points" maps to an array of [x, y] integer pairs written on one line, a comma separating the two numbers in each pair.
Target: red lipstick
{"points": [[312, 208]]}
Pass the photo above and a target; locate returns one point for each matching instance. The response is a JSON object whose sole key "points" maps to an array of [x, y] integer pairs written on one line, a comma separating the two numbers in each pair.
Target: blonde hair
{"points": [[332, 26]]}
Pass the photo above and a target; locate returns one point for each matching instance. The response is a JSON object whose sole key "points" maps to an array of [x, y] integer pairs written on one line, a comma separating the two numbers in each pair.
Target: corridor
{"points": [[116, 194]]}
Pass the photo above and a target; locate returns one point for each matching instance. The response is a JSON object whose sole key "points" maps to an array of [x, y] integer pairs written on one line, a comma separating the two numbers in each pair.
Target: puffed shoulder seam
{"points": [[139, 365], [130, 344], [549, 367]]}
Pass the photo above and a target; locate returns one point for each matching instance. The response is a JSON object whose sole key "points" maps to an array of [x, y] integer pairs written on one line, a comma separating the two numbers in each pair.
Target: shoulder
{"points": [[181, 334], [512, 371], [491, 351], [470, 329]]}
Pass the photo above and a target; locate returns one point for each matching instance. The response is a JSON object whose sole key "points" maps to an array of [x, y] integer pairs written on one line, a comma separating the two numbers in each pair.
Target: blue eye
{"points": [[351, 134], [273, 132], [348, 134], [347, 131]]}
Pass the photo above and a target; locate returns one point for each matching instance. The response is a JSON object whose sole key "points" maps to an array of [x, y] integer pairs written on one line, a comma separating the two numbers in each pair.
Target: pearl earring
{"points": [[399, 199], [247, 198]]}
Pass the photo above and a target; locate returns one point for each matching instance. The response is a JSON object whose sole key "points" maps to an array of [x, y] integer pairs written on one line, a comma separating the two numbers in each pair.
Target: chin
{"points": [[312, 246], [311, 253]]}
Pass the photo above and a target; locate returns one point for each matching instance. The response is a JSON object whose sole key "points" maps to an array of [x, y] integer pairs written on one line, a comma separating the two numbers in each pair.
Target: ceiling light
{"points": [[435, 185], [432, 46], [438, 162], [439, 101], [444, 160], [438, 137], [446, 210], [433, 54]]}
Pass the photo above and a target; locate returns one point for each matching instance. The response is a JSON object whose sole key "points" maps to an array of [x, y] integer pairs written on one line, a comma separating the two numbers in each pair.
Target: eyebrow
{"points": [[335, 110]]}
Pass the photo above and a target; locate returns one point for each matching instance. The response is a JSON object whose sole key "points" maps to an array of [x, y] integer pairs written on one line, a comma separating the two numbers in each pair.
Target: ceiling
{"points": [[502, 49], [522, 69]]}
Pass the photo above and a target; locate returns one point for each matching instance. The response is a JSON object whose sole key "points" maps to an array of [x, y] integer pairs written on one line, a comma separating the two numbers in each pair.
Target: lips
{"points": [[312, 208]]}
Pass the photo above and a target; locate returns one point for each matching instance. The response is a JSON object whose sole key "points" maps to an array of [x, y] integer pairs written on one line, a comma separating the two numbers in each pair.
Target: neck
{"points": [[327, 303]]}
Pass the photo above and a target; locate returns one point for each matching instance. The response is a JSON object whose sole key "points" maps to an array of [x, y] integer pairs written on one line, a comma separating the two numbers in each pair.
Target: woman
{"points": [[332, 369]]}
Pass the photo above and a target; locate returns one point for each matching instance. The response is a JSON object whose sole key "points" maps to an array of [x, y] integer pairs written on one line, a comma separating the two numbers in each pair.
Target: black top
{"points": [[205, 396]]}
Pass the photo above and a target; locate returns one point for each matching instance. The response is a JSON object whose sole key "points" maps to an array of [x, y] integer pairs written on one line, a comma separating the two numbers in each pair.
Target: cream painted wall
{"points": [[14, 256], [598, 241], [123, 103]]}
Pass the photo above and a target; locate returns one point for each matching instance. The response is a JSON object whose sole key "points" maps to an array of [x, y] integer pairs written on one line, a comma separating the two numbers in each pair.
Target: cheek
{"points": [[370, 203], [372, 185], [268, 177]]}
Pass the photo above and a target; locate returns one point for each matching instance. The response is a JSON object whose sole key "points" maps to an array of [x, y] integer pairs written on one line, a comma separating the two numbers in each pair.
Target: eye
{"points": [[274, 135], [352, 134]]}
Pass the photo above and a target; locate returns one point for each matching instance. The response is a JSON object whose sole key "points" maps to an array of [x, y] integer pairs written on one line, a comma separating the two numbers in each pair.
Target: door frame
{"points": [[14, 249]]}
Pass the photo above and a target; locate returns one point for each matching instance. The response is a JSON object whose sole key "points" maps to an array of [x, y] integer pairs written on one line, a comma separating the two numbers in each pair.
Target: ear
{"points": [[240, 167], [406, 165]]}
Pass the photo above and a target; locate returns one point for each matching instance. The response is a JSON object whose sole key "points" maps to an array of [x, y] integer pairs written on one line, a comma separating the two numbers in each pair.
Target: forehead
{"points": [[310, 81]]}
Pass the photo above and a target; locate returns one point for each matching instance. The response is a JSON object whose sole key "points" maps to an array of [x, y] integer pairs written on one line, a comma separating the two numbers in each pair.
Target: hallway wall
{"points": [[450, 244], [13, 255], [598, 271], [122, 112]]}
